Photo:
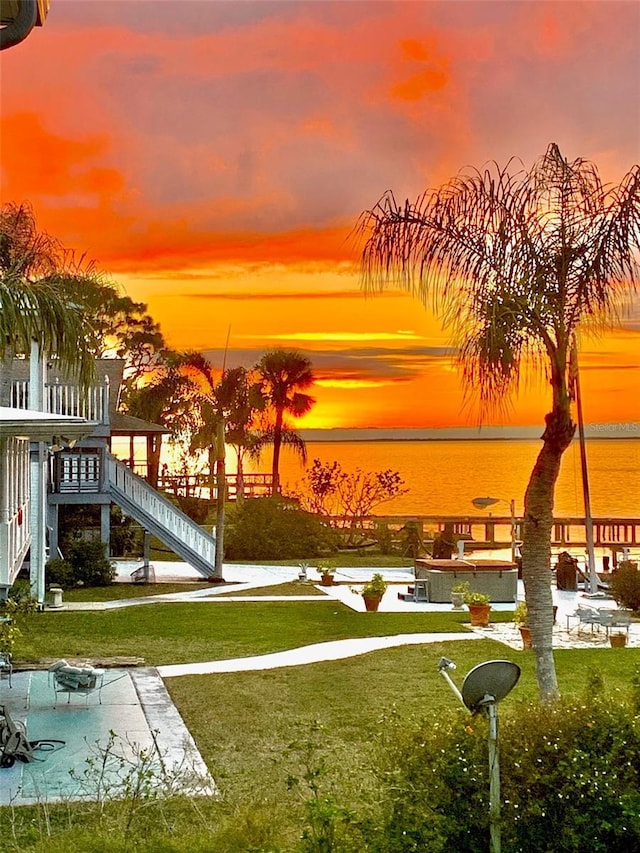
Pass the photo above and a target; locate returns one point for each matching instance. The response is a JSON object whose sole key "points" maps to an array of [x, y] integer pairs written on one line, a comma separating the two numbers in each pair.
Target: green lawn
{"points": [[118, 591], [178, 633]]}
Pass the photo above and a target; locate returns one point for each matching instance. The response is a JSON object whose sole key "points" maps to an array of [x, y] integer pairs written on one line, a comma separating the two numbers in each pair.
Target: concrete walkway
{"points": [[315, 653]]}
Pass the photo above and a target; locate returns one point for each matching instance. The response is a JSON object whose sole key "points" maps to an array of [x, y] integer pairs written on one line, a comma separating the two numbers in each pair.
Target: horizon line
{"points": [[615, 430]]}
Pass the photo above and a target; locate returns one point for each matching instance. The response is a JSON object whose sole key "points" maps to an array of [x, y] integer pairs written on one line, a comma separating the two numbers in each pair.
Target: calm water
{"points": [[444, 476]]}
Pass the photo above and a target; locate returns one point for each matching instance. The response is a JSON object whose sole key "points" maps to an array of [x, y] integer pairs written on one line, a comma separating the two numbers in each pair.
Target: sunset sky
{"points": [[213, 157]]}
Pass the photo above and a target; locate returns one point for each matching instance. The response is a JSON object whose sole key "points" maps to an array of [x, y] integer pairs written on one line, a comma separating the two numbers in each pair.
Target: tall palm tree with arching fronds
{"points": [[517, 262], [34, 271], [285, 375]]}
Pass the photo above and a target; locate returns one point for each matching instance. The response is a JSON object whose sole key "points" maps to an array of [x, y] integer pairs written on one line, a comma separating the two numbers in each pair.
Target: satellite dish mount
{"points": [[483, 687]]}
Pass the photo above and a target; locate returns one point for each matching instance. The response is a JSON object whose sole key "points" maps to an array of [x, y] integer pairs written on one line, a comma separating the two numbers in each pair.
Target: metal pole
{"points": [[588, 520], [494, 778], [512, 510], [451, 683]]}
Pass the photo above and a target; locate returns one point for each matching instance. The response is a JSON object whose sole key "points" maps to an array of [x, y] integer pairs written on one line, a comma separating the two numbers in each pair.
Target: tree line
{"points": [[76, 313]]}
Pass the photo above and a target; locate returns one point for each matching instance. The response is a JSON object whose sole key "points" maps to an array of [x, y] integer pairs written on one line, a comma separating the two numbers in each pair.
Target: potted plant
{"points": [[373, 591], [617, 640], [521, 620], [327, 572], [479, 607], [458, 592]]}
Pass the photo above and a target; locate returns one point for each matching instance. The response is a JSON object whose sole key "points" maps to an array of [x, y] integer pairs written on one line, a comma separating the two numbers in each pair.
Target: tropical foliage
{"points": [[274, 528], [285, 375], [569, 781], [35, 270], [329, 490], [625, 585], [516, 263]]}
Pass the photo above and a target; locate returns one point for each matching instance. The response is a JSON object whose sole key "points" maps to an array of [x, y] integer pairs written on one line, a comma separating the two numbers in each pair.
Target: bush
{"points": [[196, 508], [86, 565], [60, 572], [625, 585], [274, 529], [126, 535], [570, 777]]}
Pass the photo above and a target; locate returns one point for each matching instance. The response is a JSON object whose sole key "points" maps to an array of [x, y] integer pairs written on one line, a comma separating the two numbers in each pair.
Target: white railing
{"points": [[20, 394], [92, 403], [145, 500], [71, 400], [76, 472], [15, 539]]}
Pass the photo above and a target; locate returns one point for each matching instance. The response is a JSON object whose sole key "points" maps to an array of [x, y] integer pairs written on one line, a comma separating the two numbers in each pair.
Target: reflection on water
{"points": [[444, 476]]}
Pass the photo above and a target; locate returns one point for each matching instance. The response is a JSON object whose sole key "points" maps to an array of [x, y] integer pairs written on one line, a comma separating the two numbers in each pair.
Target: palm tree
{"points": [[285, 375], [241, 398], [225, 406], [517, 262], [208, 435], [34, 271]]}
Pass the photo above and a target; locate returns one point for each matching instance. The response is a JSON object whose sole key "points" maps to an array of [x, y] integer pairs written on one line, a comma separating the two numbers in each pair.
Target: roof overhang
{"points": [[40, 426]]}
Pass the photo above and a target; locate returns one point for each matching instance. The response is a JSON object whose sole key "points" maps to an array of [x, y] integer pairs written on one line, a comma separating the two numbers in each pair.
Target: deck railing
{"points": [[91, 403], [495, 532]]}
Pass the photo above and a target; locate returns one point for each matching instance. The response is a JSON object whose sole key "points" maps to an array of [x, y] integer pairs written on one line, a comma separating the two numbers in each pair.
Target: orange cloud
{"points": [[38, 163], [428, 79]]}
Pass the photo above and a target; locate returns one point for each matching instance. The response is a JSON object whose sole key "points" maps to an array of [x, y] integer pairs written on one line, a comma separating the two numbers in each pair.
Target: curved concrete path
{"points": [[315, 653]]}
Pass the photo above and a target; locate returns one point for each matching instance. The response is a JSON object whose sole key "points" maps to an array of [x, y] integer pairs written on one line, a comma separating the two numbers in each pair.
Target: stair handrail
{"points": [[155, 505]]}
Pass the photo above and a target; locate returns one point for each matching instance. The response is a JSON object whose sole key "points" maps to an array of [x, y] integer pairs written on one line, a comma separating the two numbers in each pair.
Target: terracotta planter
{"points": [[618, 641], [479, 614], [525, 633], [326, 580], [371, 602]]}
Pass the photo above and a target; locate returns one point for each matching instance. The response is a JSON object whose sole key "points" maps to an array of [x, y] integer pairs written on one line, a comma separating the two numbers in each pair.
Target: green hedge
{"points": [[274, 529], [570, 779]]}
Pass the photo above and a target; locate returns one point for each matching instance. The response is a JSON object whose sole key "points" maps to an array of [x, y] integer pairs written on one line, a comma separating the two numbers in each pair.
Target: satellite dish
{"points": [[483, 503], [494, 678]]}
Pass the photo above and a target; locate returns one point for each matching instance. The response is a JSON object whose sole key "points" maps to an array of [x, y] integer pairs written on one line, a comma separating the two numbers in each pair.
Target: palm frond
{"points": [[513, 261]]}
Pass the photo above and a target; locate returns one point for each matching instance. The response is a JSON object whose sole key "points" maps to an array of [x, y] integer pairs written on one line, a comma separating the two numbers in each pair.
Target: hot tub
{"points": [[496, 578]]}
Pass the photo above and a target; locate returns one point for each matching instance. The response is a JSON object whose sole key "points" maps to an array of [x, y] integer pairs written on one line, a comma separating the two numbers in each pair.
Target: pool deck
{"points": [[136, 723]]}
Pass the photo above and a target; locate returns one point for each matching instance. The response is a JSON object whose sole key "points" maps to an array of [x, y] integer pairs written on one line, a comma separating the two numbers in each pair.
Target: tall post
{"points": [[588, 519], [221, 489], [494, 777], [512, 510]]}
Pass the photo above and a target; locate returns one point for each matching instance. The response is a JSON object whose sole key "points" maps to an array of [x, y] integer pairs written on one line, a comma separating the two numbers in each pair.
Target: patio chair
{"points": [[6, 666], [82, 680], [586, 616], [610, 618]]}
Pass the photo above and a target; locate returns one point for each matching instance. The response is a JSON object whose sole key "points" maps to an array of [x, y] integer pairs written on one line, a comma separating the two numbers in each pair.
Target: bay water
{"points": [[443, 477]]}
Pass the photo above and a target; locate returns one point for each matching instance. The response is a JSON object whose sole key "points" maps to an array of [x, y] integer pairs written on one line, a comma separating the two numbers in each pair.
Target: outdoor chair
{"points": [[615, 619], [6, 666], [606, 618], [82, 680]]}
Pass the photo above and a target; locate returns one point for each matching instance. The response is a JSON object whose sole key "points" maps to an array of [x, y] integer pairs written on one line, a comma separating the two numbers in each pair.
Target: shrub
{"points": [[274, 529], [86, 565], [196, 508], [60, 572], [625, 585], [570, 777], [126, 535]]}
